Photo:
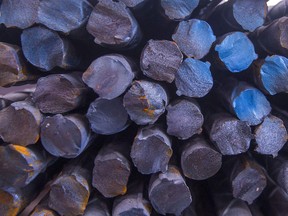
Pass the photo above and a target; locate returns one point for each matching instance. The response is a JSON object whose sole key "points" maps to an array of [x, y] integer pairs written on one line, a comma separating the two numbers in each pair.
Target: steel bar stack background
{"points": [[143, 107]]}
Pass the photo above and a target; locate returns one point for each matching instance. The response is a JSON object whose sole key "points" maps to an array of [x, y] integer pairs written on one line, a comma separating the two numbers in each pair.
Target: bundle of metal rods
{"points": [[143, 107]]}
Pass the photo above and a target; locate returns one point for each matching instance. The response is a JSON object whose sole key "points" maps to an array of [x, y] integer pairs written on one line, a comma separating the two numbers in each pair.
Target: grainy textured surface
{"points": [[184, 118], [111, 157], [60, 93], [194, 78], [46, 49], [199, 160], [113, 25], [107, 116], [194, 38], [145, 102], [230, 135], [110, 75], [168, 192], [13, 118], [151, 150], [160, 60], [65, 136], [270, 136]]}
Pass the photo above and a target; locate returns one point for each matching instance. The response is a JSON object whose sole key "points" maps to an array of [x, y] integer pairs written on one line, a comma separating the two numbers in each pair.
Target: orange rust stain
{"points": [[13, 211], [149, 111], [142, 97], [84, 204], [4, 197], [6, 200], [37, 138], [22, 150], [174, 170], [44, 212], [84, 194], [124, 190]]}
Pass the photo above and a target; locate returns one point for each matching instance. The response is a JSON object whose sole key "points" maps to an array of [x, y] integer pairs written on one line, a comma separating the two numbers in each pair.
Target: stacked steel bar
{"points": [[143, 107]]}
